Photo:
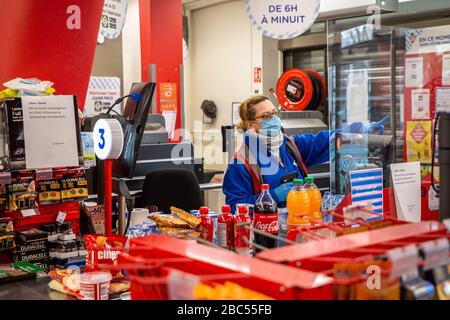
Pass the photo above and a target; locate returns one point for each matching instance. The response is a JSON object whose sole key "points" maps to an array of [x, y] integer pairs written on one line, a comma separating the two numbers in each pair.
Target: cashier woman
{"points": [[268, 155]]}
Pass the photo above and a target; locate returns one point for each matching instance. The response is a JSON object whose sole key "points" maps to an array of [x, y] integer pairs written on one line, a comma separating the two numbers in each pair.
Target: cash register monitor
{"points": [[133, 123]]}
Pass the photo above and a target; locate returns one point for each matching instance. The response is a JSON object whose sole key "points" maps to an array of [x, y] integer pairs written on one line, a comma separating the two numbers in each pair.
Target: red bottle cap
{"points": [[226, 208], [265, 187], [242, 210], [204, 210]]}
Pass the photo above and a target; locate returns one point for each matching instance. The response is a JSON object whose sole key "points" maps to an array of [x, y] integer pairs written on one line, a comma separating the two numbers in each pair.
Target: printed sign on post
{"points": [[102, 93], [168, 105], [283, 19], [420, 104], [257, 75]]}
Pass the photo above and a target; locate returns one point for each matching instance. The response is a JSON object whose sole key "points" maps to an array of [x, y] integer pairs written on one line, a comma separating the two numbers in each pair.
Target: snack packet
{"points": [[102, 250], [28, 84], [192, 221], [167, 220]]}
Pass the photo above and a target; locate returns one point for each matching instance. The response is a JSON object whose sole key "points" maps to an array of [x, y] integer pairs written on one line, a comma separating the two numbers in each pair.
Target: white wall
{"points": [[131, 44], [219, 69]]}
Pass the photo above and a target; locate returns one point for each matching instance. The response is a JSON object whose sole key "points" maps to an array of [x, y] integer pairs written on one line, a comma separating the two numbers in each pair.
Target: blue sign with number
{"points": [[101, 144]]}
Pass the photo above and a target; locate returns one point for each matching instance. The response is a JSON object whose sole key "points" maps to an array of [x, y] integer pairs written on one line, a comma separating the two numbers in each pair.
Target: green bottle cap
{"points": [[298, 181], [309, 180]]}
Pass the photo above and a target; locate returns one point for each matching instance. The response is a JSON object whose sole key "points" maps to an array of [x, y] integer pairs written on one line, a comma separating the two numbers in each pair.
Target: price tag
{"points": [[97, 214], [404, 261], [61, 217], [5, 178], [28, 212], [436, 253]]}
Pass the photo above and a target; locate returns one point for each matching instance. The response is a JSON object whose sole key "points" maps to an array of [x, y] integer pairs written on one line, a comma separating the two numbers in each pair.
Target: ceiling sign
{"points": [[283, 19]]}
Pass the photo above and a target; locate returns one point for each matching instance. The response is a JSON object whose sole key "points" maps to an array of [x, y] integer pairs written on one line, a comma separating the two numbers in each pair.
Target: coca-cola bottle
{"points": [[225, 228], [265, 218], [206, 226], [242, 233]]}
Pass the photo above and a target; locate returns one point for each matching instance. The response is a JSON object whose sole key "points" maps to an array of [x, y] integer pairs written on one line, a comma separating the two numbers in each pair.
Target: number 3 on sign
{"points": [[101, 144], [108, 139]]}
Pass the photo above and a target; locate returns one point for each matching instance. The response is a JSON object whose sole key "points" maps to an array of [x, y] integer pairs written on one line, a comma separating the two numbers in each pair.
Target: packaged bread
{"points": [[192, 221], [167, 220], [179, 232]]}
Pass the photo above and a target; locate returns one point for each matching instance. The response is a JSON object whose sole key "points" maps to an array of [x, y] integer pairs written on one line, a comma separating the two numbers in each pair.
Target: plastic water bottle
{"points": [[315, 200], [298, 206]]}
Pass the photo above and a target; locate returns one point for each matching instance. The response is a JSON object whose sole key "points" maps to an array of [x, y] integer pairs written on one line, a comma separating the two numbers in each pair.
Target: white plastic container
{"points": [[139, 215], [95, 285]]}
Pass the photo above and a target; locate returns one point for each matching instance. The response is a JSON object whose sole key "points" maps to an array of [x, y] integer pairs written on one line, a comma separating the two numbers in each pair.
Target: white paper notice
{"points": [[50, 132], [414, 72], [357, 96], [406, 182], [420, 103], [171, 118], [446, 69], [443, 99], [28, 212]]}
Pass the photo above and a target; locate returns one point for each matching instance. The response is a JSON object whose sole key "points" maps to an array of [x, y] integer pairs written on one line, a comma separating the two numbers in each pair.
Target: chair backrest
{"points": [[172, 187]]}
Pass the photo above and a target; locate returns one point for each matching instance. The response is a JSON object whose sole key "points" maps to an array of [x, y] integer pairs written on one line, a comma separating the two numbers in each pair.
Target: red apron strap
{"points": [[292, 146]]}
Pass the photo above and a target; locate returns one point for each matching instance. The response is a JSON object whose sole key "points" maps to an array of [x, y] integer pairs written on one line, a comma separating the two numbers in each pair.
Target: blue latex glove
{"points": [[377, 127], [280, 193], [371, 128]]}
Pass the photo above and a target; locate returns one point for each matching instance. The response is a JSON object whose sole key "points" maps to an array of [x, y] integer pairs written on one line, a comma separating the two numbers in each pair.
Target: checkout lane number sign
{"points": [[108, 139], [283, 19]]}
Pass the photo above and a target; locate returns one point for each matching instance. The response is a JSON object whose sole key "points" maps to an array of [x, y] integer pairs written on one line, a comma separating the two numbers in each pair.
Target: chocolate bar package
{"points": [[49, 191]]}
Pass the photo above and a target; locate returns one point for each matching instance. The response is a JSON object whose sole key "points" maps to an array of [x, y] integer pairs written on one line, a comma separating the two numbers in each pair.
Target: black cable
{"points": [[117, 102], [433, 151]]}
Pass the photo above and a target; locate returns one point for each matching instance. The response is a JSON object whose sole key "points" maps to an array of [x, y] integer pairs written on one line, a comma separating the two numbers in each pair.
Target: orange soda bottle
{"points": [[298, 206], [315, 200]]}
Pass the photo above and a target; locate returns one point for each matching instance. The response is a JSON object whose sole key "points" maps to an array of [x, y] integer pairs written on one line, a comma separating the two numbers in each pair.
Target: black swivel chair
{"points": [[172, 187]]}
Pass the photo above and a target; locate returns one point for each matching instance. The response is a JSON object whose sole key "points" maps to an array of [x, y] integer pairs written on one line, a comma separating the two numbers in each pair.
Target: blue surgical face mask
{"points": [[271, 128]]}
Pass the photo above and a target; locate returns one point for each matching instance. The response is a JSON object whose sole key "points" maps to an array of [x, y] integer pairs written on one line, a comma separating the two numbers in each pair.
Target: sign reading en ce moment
{"points": [[108, 139], [283, 19]]}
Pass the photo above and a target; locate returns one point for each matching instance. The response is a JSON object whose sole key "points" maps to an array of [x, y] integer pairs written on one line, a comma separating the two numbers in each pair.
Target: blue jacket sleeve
{"points": [[314, 148], [238, 186]]}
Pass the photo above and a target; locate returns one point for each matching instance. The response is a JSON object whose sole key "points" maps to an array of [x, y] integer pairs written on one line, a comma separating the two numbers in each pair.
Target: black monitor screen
{"points": [[135, 114]]}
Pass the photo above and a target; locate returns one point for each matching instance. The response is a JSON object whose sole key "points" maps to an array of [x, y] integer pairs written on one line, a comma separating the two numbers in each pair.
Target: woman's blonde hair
{"points": [[247, 111]]}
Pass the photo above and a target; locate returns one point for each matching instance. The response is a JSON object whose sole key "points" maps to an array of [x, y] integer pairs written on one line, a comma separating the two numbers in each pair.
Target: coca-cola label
{"points": [[266, 222]]}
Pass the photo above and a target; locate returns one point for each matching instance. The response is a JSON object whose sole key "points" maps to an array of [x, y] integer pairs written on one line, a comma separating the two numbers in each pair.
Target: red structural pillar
{"points": [[162, 46], [37, 42], [108, 196]]}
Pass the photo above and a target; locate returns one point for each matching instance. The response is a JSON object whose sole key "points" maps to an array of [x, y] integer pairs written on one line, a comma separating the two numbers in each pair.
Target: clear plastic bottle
{"points": [[298, 206], [315, 200]]}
